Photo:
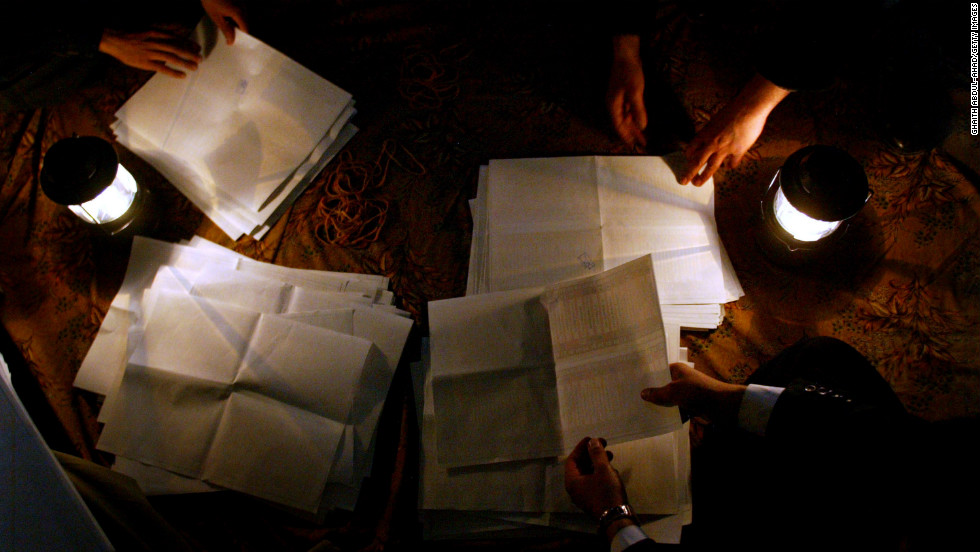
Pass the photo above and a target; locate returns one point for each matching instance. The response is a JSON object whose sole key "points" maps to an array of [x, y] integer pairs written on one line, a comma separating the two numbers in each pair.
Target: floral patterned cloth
{"points": [[442, 87], [904, 288]]}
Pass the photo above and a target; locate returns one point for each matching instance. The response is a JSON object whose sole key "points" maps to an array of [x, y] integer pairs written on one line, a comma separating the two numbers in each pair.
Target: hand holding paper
{"points": [[153, 50], [590, 479], [226, 16], [699, 394], [243, 137]]}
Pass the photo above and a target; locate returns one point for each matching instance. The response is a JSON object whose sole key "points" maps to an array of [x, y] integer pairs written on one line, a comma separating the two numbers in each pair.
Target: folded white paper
{"points": [[550, 219], [243, 134], [246, 401], [533, 371], [104, 361]]}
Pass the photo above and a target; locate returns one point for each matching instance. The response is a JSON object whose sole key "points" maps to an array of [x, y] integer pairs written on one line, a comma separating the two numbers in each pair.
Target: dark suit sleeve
{"points": [[813, 410], [830, 391]]}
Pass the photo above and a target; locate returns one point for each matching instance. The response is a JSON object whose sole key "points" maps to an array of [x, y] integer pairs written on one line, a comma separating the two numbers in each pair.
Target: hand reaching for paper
{"points": [[698, 394], [732, 131], [153, 50], [227, 16], [166, 52]]}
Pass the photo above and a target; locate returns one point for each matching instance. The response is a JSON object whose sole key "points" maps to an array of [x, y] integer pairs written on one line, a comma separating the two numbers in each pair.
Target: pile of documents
{"points": [[221, 372], [243, 135], [564, 363], [539, 221], [516, 378]]}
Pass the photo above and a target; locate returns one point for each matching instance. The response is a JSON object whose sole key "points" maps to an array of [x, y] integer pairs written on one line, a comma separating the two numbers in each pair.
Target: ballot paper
{"points": [[607, 339], [186, 310], [388, 333], [354, 457], [527, 498], [532, 371], [244, 291], [242, 135], [239, 399], [107, 356], [550, 219], [620, 208]]}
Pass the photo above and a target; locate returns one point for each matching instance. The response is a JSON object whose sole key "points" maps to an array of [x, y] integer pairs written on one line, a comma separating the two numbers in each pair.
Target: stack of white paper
{"points": [[516, 378], [547, 220], [538, 221], [223, 372], [243, 135]]}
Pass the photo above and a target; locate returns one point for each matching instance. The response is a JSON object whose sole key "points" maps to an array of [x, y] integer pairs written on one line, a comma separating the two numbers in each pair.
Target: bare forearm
{"points": [[759, 96], [626, 48]]}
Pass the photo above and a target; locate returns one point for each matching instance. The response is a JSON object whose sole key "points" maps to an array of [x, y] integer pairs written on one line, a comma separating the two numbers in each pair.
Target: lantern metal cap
{"points": [[77, 169], [824, 182]]}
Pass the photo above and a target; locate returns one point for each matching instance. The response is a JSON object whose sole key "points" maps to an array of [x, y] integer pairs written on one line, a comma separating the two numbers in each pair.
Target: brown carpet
{"points": [[443, 86]]}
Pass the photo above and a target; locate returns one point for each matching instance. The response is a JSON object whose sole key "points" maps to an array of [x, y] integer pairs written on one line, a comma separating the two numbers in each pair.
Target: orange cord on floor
{"points": [[348, 215]]}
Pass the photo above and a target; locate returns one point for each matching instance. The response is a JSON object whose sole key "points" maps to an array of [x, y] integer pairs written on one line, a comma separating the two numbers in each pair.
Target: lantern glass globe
{"points": [[111, 203]]}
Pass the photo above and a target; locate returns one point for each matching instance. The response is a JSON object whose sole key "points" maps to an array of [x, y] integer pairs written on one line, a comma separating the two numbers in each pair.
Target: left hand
{"points": [[226, 15], [699, 394], [624, 96], [590, 480]]}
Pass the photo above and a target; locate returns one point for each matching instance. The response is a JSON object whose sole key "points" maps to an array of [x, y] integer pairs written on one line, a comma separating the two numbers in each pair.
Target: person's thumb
{"points": [[597, 453], [656, 395]]}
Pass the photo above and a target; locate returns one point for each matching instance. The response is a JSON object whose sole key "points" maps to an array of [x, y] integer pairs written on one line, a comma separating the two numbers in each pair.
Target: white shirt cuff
{"points": [[757, 404], [626, 537]]}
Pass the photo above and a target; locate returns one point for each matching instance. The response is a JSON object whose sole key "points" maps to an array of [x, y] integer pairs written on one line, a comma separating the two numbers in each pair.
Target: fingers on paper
{"points": [[163, 52], [583, 460], [598, 454], [177, 55], [227, 17], [170, 64], [667, 395], [227, 27], [699, 156], [710, 168], [657, 395], [577, 463]]}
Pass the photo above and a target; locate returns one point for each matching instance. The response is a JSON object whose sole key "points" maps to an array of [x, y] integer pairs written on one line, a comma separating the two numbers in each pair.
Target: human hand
{"points": [[624, 96], [732, 131], [590, 480], [226, 15], [153, 50], [699, 394]]}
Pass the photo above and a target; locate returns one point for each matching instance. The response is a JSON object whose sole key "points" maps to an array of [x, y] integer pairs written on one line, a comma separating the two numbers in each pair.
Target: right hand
{"points": [[590, 480], [154, 50], [732, 131], [226, 16]]}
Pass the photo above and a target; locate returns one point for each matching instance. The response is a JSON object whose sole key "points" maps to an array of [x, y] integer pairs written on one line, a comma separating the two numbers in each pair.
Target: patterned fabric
{"points": [[904, 291], [443, 86]]}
